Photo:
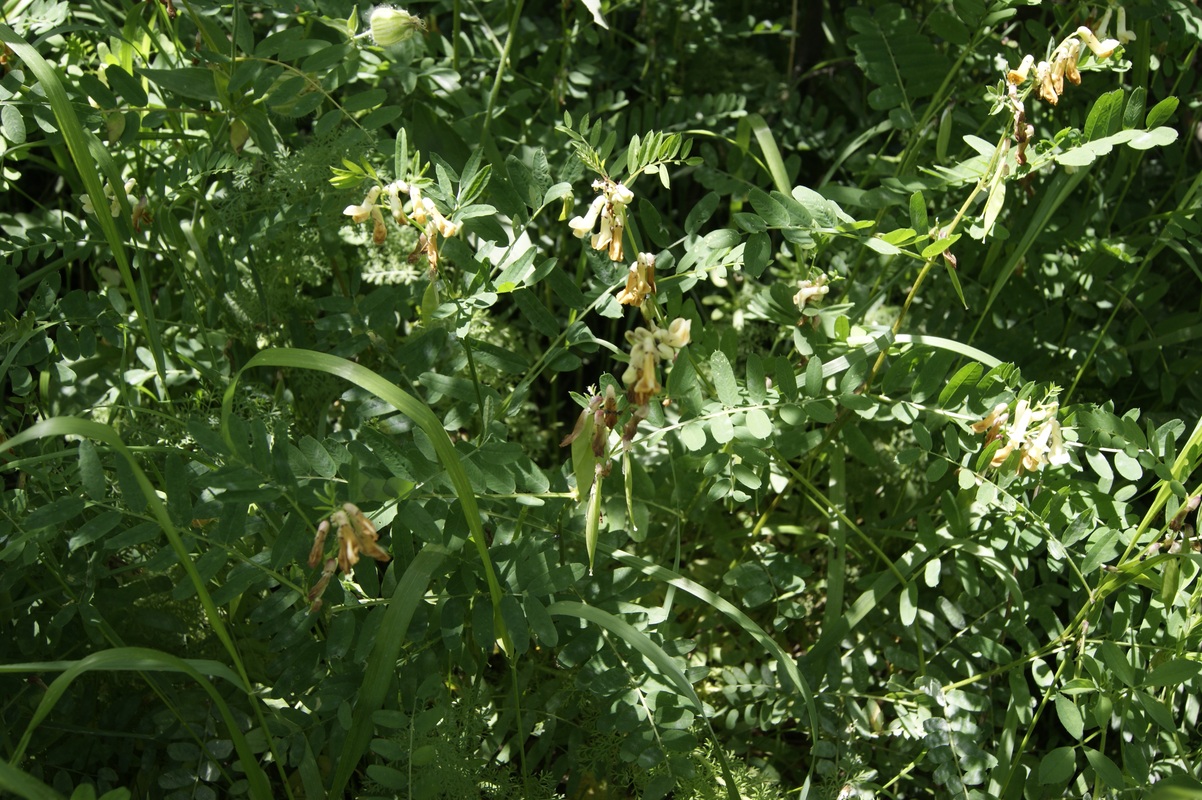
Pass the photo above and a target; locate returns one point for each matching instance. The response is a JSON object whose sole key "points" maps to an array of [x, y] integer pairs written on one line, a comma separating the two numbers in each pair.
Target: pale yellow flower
{"points": [[640, 281], [368, 209], [356, 534], [583, 226], [811, 291], [1101, 49]]}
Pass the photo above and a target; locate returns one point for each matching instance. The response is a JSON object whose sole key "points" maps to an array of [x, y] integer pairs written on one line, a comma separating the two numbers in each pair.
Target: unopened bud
{"points": [[239, 133], [393, 26], [1189, 505]]}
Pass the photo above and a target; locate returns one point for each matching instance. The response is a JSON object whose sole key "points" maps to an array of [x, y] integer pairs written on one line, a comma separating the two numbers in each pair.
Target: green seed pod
{"points": [[393, 26]]}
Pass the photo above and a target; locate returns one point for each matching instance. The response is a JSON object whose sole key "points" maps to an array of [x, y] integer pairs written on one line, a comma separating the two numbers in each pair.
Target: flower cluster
{"points": [[647, 347], [422, 211], [1034, 432], [811, 291], [604, 409], [610, 207], [356, 534], [1050, 75], [127, 191], [640, 281]]}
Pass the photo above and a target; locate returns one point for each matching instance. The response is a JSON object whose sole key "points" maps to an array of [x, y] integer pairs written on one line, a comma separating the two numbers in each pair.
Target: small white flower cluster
{"points": [[811, 291], [1035, 432], [422, 211], [647, 347], [1050, 75], [610, 207], [115, 206]]}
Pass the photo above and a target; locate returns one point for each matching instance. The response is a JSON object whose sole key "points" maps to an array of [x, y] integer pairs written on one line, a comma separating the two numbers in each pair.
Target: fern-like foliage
{"points": [[895, 55]]}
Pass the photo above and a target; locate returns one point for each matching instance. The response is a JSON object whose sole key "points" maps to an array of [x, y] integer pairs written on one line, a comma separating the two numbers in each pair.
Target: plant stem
{"points": [[496, 84]]}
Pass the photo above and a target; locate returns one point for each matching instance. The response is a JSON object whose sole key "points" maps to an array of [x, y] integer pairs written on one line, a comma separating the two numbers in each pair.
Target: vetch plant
{"points": [[771, 548]]}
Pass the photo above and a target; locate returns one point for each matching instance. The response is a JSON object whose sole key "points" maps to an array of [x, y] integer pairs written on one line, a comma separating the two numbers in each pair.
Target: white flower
{"points": [[115, 205], [394, 191], [444, 225], [419, 209], [1124, 33], [610, 206], [640, 280], [1035, 433], [811, 291], [1019, 75], [602, 238], [678, 333], [369, 209], [1057, 455], [1101, 49], [583, 226]]}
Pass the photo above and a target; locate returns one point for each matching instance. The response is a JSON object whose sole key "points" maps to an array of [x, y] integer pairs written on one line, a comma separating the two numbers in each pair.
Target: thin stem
{"points": [[496, 84]]}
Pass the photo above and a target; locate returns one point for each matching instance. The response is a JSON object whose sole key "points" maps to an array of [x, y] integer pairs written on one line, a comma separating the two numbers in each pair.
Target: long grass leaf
{"points": [[72, 426], [87, 151], [142, 659], [207, 667], [381, 664], [787, 665], [950, 345], [22, 784], [656, 655], [776, 164], [411, 407]]}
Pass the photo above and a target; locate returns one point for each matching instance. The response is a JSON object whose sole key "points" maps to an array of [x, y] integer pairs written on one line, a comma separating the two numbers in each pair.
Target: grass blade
{"points": [[776, 164], [411, 407], [381, 664], [71, 426], [655, 654], [142, 659], [87, 152], [22, 784]]}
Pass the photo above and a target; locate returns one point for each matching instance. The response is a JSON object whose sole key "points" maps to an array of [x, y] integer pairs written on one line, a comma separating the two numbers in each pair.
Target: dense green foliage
{"points": [[682, 399]]}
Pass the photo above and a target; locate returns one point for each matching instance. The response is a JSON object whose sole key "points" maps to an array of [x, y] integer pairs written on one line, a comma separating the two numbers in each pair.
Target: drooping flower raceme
{"points": [[356, 534], [422, 212], [647, 347], [1050, 75], [610, 207], [640, 281], [1034, 432]]}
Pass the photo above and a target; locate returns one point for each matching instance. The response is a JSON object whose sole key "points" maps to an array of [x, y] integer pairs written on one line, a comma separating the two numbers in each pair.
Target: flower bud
{"points": [[393, 26]]}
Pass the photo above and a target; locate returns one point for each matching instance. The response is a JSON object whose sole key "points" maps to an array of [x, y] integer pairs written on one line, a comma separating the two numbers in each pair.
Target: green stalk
{"points": [[496, 84]]}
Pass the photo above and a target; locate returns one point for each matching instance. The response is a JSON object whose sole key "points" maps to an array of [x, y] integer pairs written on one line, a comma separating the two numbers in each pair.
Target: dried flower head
{"points": [[356, 534], [640, 281]]}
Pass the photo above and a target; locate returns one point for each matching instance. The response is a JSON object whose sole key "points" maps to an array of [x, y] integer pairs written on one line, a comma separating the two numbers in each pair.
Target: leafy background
{"points": [[798, 571]]}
